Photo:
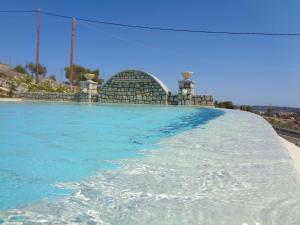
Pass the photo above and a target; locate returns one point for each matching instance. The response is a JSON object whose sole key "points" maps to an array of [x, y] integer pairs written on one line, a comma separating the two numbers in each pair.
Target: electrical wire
{"points": [[185, 30]]}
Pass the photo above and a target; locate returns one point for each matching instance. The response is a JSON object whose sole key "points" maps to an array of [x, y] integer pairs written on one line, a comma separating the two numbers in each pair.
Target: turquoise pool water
{"points": [[43, 144], [116, 165]]}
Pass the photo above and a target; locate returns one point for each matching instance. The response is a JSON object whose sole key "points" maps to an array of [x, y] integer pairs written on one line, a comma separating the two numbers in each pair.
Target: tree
{"points": [[78, 74], [269, 111], [247, 108], [20, 69], [42, 70], [52, 77], [226, 104]]}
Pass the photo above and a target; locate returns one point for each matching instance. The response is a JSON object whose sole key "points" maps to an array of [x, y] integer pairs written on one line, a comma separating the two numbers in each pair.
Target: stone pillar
{"points": [[186, 89], [88, 87]]}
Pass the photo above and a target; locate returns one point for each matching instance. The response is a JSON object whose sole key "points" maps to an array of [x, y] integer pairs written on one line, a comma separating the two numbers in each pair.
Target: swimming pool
{"points": [[73, 163]]}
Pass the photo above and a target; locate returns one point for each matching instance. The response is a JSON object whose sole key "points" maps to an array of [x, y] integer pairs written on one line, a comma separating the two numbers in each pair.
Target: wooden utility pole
{"points": [[37, 58], [72, 51]]}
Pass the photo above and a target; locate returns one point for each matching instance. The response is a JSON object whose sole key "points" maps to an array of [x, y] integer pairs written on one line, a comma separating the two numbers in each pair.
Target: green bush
{"points": [[226, 105], [46, 85]]}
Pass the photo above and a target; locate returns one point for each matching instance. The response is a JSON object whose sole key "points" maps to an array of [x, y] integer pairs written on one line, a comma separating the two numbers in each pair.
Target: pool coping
{"points": [[293, 151]]}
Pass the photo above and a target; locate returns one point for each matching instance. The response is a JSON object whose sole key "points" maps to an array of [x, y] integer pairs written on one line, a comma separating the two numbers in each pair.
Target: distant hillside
{"points": [[6, 71], [263, 108]]}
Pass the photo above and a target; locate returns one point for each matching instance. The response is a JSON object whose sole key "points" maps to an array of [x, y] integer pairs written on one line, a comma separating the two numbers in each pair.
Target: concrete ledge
{"points": [[10, 99], [294, 153]]}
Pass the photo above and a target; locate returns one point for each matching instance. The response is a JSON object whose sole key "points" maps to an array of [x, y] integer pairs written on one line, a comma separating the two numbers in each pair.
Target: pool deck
{"points": [[293, 151], [10, 99]]}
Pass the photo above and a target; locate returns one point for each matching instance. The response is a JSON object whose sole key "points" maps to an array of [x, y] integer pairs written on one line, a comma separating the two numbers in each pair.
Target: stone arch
{"points": [[134, 86]]}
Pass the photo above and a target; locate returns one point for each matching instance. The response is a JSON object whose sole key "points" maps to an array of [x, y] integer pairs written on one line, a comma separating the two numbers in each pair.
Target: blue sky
{"points": [[244, 69]]}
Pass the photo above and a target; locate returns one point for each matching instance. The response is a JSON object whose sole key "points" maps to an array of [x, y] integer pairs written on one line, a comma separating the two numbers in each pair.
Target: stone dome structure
{"points": [[134, 86]]}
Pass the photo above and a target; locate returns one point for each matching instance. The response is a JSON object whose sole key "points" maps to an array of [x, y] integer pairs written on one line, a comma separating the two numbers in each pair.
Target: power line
{"points": [[58, 15], [172, 29], [18, 11], [136, 43], [184, 30]]}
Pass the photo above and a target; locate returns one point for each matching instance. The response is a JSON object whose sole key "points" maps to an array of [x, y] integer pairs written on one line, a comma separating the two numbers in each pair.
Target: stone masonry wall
{"points": [[201, 100], [206, 100], [130, 87], [135, 87], [47, 96]]}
